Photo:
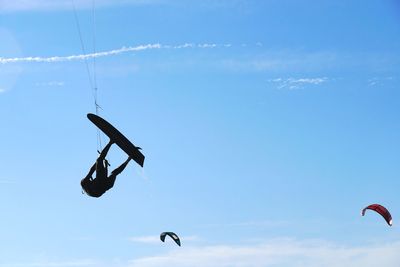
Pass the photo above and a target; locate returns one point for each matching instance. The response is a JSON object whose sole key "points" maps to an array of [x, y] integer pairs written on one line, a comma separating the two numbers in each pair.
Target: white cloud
{"points": [[282, 252], [48, 5], [79, 57], [258, 65], [283, 60], [51, 84], [297, 83], [145, 239], [75, 263], [156, 239], [208, 46], [114, 52], [379, 80], [262, 223]]}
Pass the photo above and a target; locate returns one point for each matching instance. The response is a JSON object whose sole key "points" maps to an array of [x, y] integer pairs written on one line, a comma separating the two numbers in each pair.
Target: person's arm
{"points": [[104, 152], [91, 171], [87, 180]]}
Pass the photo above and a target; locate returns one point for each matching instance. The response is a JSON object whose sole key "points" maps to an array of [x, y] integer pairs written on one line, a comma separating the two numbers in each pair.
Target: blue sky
{"points": [[266, 125]]}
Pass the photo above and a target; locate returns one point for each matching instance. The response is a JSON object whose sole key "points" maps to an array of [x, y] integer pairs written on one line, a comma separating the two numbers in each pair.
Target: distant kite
{"points": [[172, 235], [381, 210]]}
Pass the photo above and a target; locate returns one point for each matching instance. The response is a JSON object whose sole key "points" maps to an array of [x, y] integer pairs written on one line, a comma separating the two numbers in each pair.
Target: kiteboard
{"points": [[118, 138]]}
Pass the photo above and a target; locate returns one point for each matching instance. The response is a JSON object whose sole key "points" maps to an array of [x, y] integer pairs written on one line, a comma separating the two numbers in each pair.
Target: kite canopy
{"points": [[172, 235], [381, 210]]}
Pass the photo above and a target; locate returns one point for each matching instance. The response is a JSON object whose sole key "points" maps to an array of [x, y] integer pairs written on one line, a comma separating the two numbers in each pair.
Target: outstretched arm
{"points": [[104, 152], [91, 171], [89, 175], [121, 168]]}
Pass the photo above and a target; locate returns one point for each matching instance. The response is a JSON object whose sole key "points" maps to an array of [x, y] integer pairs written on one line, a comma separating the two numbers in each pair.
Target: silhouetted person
{"points": [[99, 185]]}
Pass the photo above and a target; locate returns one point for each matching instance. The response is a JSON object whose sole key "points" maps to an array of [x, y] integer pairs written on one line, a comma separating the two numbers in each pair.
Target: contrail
{"points": [[4, 60]]}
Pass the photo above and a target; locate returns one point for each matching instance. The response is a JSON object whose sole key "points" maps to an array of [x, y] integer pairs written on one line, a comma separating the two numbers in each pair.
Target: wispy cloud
{"points": [[262, 59], [73, 263], [145, 239], [51, 84], [297, 83], [114, 52], [280, 252], [379, 80], [49, 5], [156, 239], [258, 65], [261, 223]]}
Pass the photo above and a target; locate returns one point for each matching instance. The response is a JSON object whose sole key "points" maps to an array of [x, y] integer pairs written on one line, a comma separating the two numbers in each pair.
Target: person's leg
{"points": [[110, 182], [111, 179], [121, 167]]}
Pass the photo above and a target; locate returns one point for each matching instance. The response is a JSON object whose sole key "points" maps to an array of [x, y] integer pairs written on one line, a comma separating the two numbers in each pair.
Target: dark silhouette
{"points": [[118, 138], [98, 186], [172, 235]]}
